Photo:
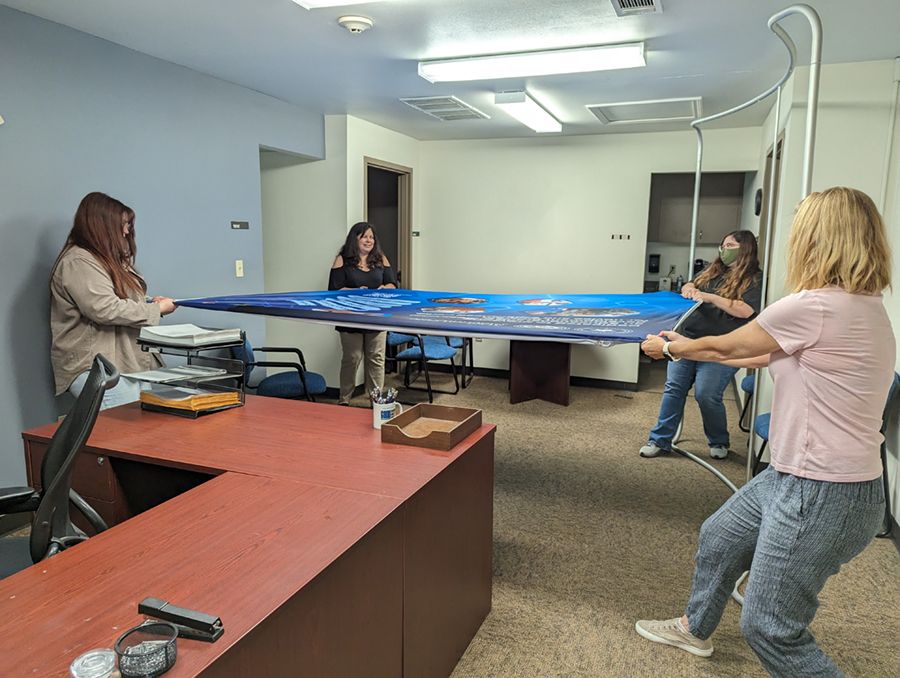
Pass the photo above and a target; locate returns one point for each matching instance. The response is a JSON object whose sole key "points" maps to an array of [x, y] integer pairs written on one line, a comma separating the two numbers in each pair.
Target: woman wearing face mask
{"points": [[361, 264], [730, 291], [98, 301]]}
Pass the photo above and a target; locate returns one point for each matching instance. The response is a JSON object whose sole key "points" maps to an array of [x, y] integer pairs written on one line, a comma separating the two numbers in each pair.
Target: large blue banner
{"points": [[578, 318]]}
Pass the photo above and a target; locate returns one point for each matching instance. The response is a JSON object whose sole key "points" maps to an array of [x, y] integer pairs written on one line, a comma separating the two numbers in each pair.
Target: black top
{"points": [[708, 320], [353, 277]]}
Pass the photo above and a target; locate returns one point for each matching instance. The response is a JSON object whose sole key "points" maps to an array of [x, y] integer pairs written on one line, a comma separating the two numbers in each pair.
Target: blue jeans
{"points": [[709, 381], [796, 533], [126, 391]]}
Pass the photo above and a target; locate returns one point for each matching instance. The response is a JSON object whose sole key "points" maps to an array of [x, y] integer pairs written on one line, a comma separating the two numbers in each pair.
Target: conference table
{"points": [[324, 551]]}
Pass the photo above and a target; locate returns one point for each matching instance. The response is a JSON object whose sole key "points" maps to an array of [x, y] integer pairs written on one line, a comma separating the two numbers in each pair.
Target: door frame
{"points": [[774, 158], [404, 211]]}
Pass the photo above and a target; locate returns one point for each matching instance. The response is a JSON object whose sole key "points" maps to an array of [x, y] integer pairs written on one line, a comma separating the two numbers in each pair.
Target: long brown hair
{"points": [[349, 251], [740, 276], [98, 229], [838, 238]]}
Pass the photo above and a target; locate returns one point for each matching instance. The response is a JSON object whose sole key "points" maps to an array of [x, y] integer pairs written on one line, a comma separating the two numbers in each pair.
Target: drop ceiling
{"points": [[719, 50]]}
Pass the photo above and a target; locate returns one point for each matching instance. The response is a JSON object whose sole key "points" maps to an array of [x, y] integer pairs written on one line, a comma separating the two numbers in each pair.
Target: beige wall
{"points": [[307, 210], [537, 215], [305, 221]]}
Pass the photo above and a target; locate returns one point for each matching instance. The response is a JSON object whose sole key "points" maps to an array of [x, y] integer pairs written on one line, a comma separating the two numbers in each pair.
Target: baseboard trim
{"points": [[13, 521], [588, 382]]}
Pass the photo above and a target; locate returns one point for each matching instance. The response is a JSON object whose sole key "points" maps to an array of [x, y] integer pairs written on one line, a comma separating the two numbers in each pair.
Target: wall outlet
{"points": [[238, 268]]}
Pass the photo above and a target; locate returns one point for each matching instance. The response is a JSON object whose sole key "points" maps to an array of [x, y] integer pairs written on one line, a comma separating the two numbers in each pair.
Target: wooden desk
{"points": [[377, 554]]}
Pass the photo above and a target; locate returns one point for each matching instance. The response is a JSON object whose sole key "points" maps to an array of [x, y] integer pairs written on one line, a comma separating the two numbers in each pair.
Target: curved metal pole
{"points": [[792, 57], [812, 98], [809, 142]]}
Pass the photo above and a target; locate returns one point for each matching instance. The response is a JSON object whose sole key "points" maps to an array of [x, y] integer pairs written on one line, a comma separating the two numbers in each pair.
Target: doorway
{"points": [[388, 207]]}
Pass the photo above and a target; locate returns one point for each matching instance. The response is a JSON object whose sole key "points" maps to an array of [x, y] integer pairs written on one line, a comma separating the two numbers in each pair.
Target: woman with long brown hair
{"points": [[730, 291], [98, 300], [360, 264], [831, 351]]}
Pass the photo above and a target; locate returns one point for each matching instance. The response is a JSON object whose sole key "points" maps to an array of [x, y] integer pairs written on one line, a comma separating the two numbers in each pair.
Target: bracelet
{"points": [[669, 356]]}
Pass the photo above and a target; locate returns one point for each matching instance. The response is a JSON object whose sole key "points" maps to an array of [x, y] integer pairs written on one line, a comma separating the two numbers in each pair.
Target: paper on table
{"points": [[188, 335]]}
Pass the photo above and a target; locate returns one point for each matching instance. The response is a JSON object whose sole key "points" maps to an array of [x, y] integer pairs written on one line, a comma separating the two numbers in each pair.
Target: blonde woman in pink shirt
{"points": [[831, 353]]}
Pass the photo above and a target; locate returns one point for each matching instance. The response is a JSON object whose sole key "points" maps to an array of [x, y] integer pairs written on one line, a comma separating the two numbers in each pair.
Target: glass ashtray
{"points": [[148, 650]]}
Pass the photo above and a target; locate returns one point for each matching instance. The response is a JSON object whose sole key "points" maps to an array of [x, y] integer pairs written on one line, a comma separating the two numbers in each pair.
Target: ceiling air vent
{"points": [[633, 7], [653, 110], [445, 108]]}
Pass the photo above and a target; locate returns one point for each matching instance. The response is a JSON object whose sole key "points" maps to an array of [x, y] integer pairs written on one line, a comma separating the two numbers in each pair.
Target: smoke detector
{"points": [[356, 24]]}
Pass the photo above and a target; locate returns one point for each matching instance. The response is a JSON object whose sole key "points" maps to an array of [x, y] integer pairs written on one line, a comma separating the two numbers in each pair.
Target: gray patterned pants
{"points": [[796, 533]]}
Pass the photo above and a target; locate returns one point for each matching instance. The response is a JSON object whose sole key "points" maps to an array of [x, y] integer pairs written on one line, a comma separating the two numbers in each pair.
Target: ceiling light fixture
{"points": [[316, 4], [527, 111], [527, 64]]}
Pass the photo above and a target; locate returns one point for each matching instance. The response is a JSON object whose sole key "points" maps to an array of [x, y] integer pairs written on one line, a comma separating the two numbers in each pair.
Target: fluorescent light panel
{"points": [[528, 64], [316, 4], [527, 111]]}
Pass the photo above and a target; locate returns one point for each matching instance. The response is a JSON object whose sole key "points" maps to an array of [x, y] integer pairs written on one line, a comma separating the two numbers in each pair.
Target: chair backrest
{"points": [[51, 520], [893, 403], [245, 355]]}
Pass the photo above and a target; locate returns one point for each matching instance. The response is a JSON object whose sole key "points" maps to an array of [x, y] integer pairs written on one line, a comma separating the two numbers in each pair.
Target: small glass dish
{"points": [[147, 650], [99, 663]]}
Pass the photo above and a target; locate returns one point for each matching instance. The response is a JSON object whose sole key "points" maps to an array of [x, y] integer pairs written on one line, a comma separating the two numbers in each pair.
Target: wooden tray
{"points": [[434, 426]]}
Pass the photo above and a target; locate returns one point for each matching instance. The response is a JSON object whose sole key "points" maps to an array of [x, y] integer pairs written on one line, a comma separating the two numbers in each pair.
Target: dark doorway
{"points": [[383, 209], [388, 202]]}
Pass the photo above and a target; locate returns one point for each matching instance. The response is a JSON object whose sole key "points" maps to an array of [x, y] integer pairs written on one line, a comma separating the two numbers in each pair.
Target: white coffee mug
{"points": [[382, 412]]}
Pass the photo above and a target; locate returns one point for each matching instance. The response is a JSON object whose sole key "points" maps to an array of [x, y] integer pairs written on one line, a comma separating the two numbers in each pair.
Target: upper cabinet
{"points": [[672, 200]]}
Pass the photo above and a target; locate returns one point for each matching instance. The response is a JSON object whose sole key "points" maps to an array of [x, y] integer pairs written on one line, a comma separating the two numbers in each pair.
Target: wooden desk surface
{"points": [[203, 550], [339, 446]]}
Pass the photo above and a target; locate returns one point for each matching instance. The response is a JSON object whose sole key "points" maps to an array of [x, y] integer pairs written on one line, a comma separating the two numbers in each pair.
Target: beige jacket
{"points": [[86, 318]]}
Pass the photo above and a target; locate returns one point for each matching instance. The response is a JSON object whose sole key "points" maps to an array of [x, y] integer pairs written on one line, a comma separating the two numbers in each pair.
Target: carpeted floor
{"points": [[589, 537]]}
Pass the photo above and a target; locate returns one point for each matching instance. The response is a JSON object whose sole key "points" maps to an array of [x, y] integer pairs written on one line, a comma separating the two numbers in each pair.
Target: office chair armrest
{"points": [[18, 499], [87, 511], [283, 349]]}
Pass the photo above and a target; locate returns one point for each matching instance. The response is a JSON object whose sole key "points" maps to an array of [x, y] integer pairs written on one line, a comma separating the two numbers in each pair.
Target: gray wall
{"points": [[181, 148]]}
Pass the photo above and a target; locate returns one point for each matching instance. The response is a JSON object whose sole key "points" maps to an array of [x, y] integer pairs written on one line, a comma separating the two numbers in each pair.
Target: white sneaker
{"points": [[671, 632], [718, 452], [653, 450]]}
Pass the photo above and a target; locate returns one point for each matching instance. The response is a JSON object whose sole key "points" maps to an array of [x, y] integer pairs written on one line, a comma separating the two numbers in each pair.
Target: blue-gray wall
{"points": [[179, 147]]}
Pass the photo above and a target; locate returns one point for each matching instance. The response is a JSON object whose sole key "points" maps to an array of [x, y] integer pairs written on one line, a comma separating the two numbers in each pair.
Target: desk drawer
{"points": [[92, 476]]}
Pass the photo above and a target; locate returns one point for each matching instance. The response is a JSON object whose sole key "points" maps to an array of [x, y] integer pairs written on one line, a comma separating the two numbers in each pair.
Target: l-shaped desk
{"points": [[324, 551]]}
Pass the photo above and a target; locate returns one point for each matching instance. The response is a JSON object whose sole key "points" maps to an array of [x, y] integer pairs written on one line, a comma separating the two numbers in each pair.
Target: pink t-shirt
{"points": [[832, 377]]}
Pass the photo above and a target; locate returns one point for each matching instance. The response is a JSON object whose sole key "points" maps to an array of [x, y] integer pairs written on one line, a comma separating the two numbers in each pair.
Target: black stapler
{"points": [[190, 623]]}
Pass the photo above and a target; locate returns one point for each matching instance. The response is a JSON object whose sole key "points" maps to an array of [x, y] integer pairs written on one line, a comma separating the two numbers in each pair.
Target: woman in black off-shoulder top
{"points": [[361, 264]]}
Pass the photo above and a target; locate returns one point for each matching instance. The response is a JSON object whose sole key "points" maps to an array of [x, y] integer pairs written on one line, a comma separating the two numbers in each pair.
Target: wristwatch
{"points": [[669, 356]]}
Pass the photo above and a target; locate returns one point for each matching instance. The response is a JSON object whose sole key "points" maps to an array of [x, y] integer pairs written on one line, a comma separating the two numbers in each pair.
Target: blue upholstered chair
{"points": [[423, 350], [396, 340], [295, 383]]}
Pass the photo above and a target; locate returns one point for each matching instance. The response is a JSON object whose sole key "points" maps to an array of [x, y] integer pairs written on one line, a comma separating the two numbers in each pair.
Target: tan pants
{"points": [[356, 346]]}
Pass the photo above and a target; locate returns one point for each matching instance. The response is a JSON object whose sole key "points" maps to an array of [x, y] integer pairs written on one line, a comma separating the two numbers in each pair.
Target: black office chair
{"points": [[891, 409], [296, 383], [891, 413], [52, 530]]}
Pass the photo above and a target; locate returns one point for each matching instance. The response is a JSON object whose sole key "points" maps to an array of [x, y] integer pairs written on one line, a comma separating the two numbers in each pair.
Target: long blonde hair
{"points": [[838, 238]]}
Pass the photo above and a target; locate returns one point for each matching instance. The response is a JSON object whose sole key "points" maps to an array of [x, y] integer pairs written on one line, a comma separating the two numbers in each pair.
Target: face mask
{"points": [[729, 256]]}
